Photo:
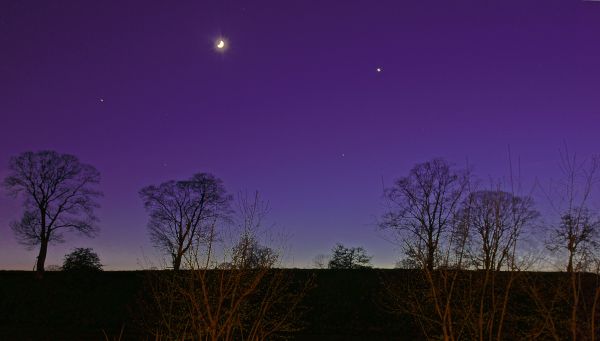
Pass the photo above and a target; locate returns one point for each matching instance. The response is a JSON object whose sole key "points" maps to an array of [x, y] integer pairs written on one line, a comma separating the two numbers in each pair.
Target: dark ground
{"points": [[342, 305]]}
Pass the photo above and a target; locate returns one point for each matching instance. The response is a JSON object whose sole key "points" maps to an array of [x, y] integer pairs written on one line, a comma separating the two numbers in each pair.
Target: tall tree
{"points": [[422, 206], [184, 213], [495, 220], [59, 195]]}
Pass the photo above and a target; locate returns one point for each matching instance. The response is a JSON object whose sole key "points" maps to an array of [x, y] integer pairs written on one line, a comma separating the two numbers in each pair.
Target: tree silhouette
{"points": [[577, 234], [249, 254], [349, 258], [82, 259], [422, 206], [183, 213], [494, 221], [59, 196], [231, 291]]}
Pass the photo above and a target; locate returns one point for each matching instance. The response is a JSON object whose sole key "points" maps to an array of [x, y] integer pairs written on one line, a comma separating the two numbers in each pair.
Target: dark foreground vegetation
{"points": [[338, 305]]}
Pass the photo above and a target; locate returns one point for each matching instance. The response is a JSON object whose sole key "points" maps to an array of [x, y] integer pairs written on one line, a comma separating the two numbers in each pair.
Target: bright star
{"points": [[379, 69]]}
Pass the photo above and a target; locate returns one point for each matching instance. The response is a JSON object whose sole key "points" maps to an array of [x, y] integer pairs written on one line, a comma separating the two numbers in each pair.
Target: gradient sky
{"points": [[295, 107]]}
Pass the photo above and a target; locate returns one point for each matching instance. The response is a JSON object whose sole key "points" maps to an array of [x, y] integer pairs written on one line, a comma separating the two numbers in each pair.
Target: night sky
{"points": [[295, 107]]}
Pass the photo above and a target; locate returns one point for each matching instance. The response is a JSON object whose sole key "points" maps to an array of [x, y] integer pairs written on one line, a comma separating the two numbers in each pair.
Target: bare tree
{"points": [[452, 303], [422, 207], [183, 213], [59, 196], [495, 220], [576, 233], [249, 254], [248, 299], [469, 228]]}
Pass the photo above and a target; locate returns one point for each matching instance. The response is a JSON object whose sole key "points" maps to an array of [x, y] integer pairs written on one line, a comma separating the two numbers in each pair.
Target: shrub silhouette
{"points": [[82, 259], [349, 258]]}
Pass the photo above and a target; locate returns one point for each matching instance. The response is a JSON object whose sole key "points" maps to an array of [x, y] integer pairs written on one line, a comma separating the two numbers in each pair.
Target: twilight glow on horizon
{"points": [[317, 105]]}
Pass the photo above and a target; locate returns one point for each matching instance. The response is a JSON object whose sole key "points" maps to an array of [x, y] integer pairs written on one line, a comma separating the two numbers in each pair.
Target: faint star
{"points": [[343, 155], [101, 100]]}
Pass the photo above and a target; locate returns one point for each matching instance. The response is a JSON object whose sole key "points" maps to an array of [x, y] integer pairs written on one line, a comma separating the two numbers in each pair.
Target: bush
{"points": [[349, 258], [82, 259]]}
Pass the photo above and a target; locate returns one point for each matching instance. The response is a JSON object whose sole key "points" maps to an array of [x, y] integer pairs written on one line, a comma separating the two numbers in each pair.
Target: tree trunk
{"points": [[570, 263], [430, 262], [177, 262], [41, 259], [44, 238]]}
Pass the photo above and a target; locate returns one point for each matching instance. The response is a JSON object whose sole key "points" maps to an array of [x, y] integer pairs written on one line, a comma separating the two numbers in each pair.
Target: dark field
{"points": [[342, 304]]}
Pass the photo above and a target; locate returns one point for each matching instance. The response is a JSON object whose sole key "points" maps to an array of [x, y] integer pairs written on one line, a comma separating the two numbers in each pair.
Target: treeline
{"points": [[463, 240], [467, 241], [440, 215], [444, 218]]}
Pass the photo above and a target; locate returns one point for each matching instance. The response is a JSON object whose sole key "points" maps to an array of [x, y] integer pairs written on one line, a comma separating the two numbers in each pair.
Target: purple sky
{"points": [[295, 107]]}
